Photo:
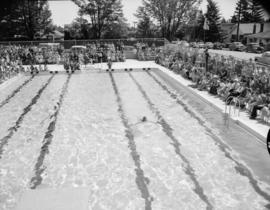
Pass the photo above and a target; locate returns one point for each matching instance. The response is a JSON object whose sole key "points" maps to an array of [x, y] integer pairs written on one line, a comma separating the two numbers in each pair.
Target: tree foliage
{"points": [[78, 29], [6, 7], [102, 14], [28, 18], [213, 16], [170, 14], [250, 11], [118, 29], [145, 27], [256, 11]]}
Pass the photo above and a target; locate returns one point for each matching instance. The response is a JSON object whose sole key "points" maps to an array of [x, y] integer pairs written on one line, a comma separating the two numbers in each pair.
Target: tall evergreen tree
{"points": [[242, 7], [213, 17], [256, 11], [234, 19]]}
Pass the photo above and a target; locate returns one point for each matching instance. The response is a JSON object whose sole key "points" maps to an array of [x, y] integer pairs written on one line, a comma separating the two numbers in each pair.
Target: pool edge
{"points": [[236, 121]]}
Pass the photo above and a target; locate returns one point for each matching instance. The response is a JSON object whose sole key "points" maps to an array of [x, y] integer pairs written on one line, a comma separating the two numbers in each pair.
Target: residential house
{"points": [[245, 29], [263, 38]]}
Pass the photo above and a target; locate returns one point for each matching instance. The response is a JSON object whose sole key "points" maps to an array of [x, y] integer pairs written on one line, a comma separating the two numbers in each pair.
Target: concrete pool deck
{"points": [[256, 128]]}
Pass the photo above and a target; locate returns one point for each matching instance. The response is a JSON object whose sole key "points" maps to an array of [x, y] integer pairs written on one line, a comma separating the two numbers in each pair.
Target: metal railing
{"points": [[232, 102], [69, 43]]}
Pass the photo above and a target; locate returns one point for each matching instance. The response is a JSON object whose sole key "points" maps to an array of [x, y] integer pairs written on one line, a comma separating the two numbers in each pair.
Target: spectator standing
{"points": [[207, 55]]}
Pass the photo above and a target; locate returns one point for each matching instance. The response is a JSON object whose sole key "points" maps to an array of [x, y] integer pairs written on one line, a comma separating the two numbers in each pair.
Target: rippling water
{"points": [[94, 138]]}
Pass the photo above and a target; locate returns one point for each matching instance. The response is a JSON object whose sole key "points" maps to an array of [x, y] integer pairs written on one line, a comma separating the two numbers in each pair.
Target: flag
{"points": [[206, 24]]}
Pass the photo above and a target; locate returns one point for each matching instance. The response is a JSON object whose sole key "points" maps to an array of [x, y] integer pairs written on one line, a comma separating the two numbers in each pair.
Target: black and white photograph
{"points": [[134, 105]]}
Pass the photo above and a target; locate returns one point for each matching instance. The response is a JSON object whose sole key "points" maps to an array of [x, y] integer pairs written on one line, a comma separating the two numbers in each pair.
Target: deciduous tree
{"points": [[102, 13], [145, 27], [28, 18], [170, 14]]}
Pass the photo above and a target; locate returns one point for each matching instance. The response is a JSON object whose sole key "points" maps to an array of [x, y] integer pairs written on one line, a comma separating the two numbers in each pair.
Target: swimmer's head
{"points": [[144, 119]]}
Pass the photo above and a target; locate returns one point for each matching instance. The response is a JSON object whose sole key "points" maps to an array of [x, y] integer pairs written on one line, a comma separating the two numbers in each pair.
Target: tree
{"points": [[145, 27], [78, 29], [102, 13], [242, 10], [213, 17], [28, 18], [193, 30], [250, 11], [116, 30], [6, 7], [256, 11], [234, 19], [223, 20], [170, 14]]}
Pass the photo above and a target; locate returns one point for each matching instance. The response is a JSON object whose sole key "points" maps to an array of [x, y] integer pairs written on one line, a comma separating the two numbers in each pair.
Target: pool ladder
{"points": [[228, 107]]}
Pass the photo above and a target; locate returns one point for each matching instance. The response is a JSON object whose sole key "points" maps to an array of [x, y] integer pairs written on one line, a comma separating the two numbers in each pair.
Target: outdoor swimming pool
{"points": [[84, 130]]}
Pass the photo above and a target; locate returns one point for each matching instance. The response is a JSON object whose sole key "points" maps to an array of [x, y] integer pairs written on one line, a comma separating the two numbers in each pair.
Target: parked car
{"points": [[209, 45], [254, 48], [201, 45], [218, 46], [226, 44], [264, 59], [267, 47], [237, 46]]}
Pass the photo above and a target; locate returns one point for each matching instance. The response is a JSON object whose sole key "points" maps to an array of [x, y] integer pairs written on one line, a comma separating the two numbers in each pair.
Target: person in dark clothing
{"points": [[268, 141], [259, 106], [223, 74], [207, 55]]}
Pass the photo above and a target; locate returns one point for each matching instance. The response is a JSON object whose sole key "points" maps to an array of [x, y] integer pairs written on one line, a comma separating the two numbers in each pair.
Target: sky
{"points": [[63, 12]]}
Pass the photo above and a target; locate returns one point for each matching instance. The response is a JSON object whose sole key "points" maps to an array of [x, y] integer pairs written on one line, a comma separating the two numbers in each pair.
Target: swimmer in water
{"points": [[143, 120]]}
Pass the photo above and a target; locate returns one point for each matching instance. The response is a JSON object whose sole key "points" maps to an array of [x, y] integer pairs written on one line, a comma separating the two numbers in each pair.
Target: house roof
{"points": [[58, 34], [263, 35]]}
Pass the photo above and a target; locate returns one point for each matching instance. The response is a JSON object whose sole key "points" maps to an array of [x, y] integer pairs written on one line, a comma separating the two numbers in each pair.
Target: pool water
{"points": [[85, 130]]}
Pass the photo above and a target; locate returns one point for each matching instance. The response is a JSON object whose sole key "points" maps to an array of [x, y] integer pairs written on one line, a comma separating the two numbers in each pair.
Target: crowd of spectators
{"points": [[17, 58], [10, 62], [102, 51], [93, 53], [237, 82], [144, 52], [20, 58]]}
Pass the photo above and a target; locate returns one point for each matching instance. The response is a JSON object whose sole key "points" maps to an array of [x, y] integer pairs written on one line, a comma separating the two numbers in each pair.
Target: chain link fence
{"points": [[158, 42]]}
